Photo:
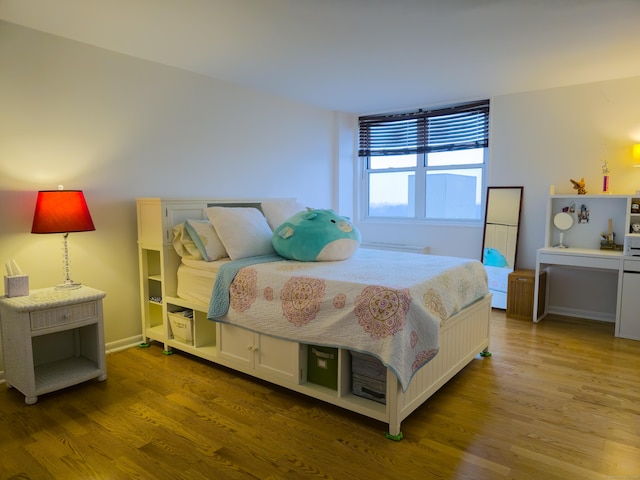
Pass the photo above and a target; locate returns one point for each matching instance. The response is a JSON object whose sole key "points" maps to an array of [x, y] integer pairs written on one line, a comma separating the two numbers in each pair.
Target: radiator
{"points": [[398, 247]]}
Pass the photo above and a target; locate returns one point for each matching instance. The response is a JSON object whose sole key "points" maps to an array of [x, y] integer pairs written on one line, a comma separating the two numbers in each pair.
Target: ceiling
{"points": [[361, 56]]}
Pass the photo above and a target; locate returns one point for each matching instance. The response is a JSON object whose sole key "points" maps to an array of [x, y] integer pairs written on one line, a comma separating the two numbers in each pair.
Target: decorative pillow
{"points": [[243, 231], [277, 211], [316, 235], [206, 239], [184, 245]]}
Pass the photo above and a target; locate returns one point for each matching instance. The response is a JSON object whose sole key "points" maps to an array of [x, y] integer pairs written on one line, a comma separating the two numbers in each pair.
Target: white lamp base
{"points": [[68, 286]]}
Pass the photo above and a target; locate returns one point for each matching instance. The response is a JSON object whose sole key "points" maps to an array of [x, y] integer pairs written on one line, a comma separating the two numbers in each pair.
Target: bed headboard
{"points": [[156, 219], [158, 216]]}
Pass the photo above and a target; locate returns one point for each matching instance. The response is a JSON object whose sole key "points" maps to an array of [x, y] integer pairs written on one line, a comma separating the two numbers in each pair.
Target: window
{"points": [[427, 164]]}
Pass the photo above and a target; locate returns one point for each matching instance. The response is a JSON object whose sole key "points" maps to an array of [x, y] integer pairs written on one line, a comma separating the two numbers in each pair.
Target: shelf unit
{"points": [[587, 234], [157, 257], [634, 212]]}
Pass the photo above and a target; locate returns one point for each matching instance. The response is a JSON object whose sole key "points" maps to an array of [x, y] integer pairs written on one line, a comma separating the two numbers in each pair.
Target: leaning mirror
{"points": [[500, 241]]}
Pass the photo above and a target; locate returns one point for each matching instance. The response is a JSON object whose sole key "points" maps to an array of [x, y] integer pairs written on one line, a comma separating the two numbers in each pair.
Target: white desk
{"points": [[603, 212], [574, 257]]}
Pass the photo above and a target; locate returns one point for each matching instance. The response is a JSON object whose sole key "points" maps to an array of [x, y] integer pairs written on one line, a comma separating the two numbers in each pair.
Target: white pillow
{"points": [[206, 239], [243, 231], [277, 211], [184, 245]]}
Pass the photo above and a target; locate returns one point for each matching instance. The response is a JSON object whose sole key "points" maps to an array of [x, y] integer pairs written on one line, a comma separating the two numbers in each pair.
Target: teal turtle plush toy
{"points": [[316, 236], [493, 258]]}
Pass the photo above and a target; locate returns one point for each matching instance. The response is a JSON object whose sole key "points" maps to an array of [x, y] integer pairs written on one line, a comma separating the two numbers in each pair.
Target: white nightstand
{"points": [[52, 339]]}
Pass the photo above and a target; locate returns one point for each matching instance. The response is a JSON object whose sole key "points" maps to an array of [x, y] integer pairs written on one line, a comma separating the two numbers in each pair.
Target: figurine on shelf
{"points": [[579, 186], [605, 177]]}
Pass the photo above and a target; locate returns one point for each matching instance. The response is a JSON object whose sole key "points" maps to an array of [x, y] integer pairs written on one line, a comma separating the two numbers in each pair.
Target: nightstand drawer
{"points": [[63, 315]]}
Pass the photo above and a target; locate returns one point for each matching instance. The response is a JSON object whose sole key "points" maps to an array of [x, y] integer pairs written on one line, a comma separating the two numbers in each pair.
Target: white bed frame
{"points": [[462, 337]]}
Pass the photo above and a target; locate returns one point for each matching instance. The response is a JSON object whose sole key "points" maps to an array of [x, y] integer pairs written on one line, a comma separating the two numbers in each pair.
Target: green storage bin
{"points": [[322, 366]]}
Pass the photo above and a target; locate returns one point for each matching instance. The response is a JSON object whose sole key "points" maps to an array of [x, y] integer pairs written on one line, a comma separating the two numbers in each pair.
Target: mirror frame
{"points": [[486, 214]]}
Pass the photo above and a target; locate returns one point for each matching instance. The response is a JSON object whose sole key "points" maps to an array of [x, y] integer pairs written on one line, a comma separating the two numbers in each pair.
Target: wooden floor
{"points": [[557, 400]]}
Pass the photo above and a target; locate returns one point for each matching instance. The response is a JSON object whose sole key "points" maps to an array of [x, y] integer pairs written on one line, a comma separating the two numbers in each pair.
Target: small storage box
{"points": [[16, 285], [322, 366], [368, 377], [369, 388], [182, 325], [520, 294]]}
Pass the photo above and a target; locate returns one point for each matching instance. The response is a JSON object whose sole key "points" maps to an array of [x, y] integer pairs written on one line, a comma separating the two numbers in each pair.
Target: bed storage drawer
{"points": [[368, 377], [322, 366]]}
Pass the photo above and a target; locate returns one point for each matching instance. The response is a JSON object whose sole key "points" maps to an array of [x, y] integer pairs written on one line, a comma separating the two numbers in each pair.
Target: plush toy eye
{"points": [[333, 221]]}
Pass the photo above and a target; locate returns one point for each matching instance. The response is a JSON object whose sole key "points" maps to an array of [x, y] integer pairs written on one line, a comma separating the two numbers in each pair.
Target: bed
{"points": [[422, 317]]}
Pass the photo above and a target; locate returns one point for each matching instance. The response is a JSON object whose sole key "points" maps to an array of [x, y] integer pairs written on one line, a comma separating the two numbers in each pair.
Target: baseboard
{"points": [[588, 314], [397, 247], [123, 344]]}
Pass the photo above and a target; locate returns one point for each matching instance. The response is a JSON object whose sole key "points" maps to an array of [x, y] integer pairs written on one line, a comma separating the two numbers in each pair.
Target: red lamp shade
{"points": [[61, 211]]}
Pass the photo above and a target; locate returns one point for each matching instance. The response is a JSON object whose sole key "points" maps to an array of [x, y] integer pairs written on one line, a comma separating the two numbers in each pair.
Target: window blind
{"points": [[457, 127]]}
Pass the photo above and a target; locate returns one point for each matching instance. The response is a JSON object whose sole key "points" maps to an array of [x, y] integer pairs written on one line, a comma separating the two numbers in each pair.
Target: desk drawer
{"points": [[62, 316], [580, 261], [631, 265]]}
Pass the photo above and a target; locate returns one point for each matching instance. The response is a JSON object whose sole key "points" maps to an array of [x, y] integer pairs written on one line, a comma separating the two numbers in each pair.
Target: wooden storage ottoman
{"points": [[520, 294], [368, 377]]}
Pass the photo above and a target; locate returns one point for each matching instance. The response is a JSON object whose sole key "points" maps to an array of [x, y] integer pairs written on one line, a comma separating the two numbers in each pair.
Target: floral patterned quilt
{"points": [[384, 303]]}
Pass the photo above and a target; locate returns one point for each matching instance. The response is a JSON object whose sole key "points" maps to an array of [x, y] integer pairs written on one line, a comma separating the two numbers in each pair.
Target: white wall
{"points": [[539, 139], [545, 138], [120, 128]]}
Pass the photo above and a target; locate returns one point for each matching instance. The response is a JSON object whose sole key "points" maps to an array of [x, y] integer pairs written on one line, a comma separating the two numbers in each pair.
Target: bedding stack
{"points": [[230, 233]]}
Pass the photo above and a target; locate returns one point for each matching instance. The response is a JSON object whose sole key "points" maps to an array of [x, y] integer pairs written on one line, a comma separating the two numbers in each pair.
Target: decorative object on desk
{"points": [[579, 186], [562, 221], [610, 245], [62, 211], [583, 214], [607, 240], [15, 283], [605, 177]]}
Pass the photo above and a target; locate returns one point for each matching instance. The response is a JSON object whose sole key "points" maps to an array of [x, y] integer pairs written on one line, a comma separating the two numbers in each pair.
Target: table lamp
{"points": [[62, 211]]}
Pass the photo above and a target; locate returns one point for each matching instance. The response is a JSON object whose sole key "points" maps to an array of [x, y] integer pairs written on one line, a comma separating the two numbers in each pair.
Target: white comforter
{"points": [[387, 304]]}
